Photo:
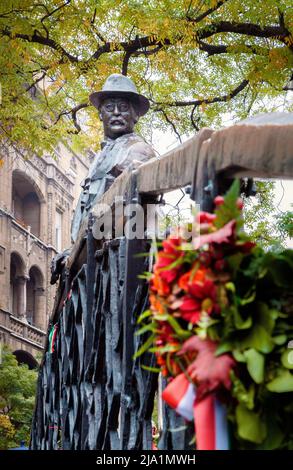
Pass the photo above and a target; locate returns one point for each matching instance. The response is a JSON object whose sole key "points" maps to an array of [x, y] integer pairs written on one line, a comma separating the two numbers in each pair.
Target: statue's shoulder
{"points": [[137, 145]]}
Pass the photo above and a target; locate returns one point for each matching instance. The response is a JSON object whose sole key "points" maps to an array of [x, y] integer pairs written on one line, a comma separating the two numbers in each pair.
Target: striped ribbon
{"points": [[52, 338], [209, 414]]}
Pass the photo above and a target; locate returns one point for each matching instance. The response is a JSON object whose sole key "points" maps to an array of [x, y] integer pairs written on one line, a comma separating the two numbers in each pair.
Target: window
{"points": [[25, 203]]}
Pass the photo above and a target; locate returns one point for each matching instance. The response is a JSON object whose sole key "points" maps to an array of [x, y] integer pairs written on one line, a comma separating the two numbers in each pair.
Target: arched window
{"points": [[24, 357], [25, 202]]}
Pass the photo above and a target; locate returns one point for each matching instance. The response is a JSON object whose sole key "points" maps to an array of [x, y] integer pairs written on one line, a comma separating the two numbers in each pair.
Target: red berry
{"points": [[205, 217], [219, 200], [239, 203]]}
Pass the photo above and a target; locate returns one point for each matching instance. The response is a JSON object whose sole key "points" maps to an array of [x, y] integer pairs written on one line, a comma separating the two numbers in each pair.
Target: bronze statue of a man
{"points": [[120, 106]]}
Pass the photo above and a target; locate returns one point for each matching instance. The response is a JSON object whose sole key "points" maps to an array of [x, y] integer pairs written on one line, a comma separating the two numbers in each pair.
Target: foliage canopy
{"points": [[195, 60]]}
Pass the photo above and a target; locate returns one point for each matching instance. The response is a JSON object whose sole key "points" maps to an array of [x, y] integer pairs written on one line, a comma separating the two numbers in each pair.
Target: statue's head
{"points": [[119, 105]]}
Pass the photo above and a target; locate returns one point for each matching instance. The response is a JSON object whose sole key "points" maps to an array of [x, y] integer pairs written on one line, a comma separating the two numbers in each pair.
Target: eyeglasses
{"points": [[122, 106]]}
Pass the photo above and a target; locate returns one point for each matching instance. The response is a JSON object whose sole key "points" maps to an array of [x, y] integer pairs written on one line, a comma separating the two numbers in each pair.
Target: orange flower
{"points": [[156, 304], [159, 285], [191, 277]]}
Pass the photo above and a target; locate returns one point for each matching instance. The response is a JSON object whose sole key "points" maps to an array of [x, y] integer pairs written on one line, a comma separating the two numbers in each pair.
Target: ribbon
{"points": [[209, 414], [52, 338], [68, 296]]}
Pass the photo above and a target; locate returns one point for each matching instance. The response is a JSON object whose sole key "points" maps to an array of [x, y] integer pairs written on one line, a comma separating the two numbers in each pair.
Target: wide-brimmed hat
{"points": [[118, 85]]}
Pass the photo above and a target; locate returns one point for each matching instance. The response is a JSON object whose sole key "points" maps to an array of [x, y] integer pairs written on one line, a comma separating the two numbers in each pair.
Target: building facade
{"points": [[37, 201]]}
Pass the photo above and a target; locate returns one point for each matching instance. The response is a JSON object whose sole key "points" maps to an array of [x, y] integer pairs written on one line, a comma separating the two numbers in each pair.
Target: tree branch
{"points": [[195, 124], [45, 41], [197, 103], [249, 29], [213, 49], [73, 113], [125, 62], [128, 54], [161, 110], [94, 16], [207, 12], [35, 82], [55, 10], [278, 32], [130, 46]]}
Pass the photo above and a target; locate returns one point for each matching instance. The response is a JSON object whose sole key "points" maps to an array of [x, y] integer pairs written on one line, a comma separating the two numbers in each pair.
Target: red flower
{"points": [[167, 275], [170, 253], [208, 370], [223, 235], [201, 298], [165, 335], [205, 217], [172, 245], [167, 360]]}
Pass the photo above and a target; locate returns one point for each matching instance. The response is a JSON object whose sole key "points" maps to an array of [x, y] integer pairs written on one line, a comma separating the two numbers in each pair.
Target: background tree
{"points": [[195, 59], [264, 221], [17, 398]]}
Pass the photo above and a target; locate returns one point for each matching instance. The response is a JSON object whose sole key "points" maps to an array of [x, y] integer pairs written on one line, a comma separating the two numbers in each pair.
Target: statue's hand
{"points": [[57, 265]]}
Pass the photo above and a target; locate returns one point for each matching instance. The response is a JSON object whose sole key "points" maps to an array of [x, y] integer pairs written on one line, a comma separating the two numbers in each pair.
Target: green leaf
{"points": [[151, 369], [164, 349], [145, 314], [238, 356], [258, 339], [146, 275], [274, 437], [148, 343], [145, 328], [280, 339], [223, 348], [173, 265], [255, 364], [287, 359], [240, 323], [177, 328], [281, 384], [234, 262], [249, 425], [231, 287], [247, 300], [266, 317], [281, 269], [141, 255], [228, 210]]}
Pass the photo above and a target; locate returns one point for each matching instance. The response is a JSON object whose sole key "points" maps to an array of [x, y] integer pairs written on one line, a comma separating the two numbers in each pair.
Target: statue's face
{"points": [[119, 117]]}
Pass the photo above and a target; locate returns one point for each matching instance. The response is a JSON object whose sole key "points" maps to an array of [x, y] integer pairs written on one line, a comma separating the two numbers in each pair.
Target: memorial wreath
{"points": [[219, 323]]}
